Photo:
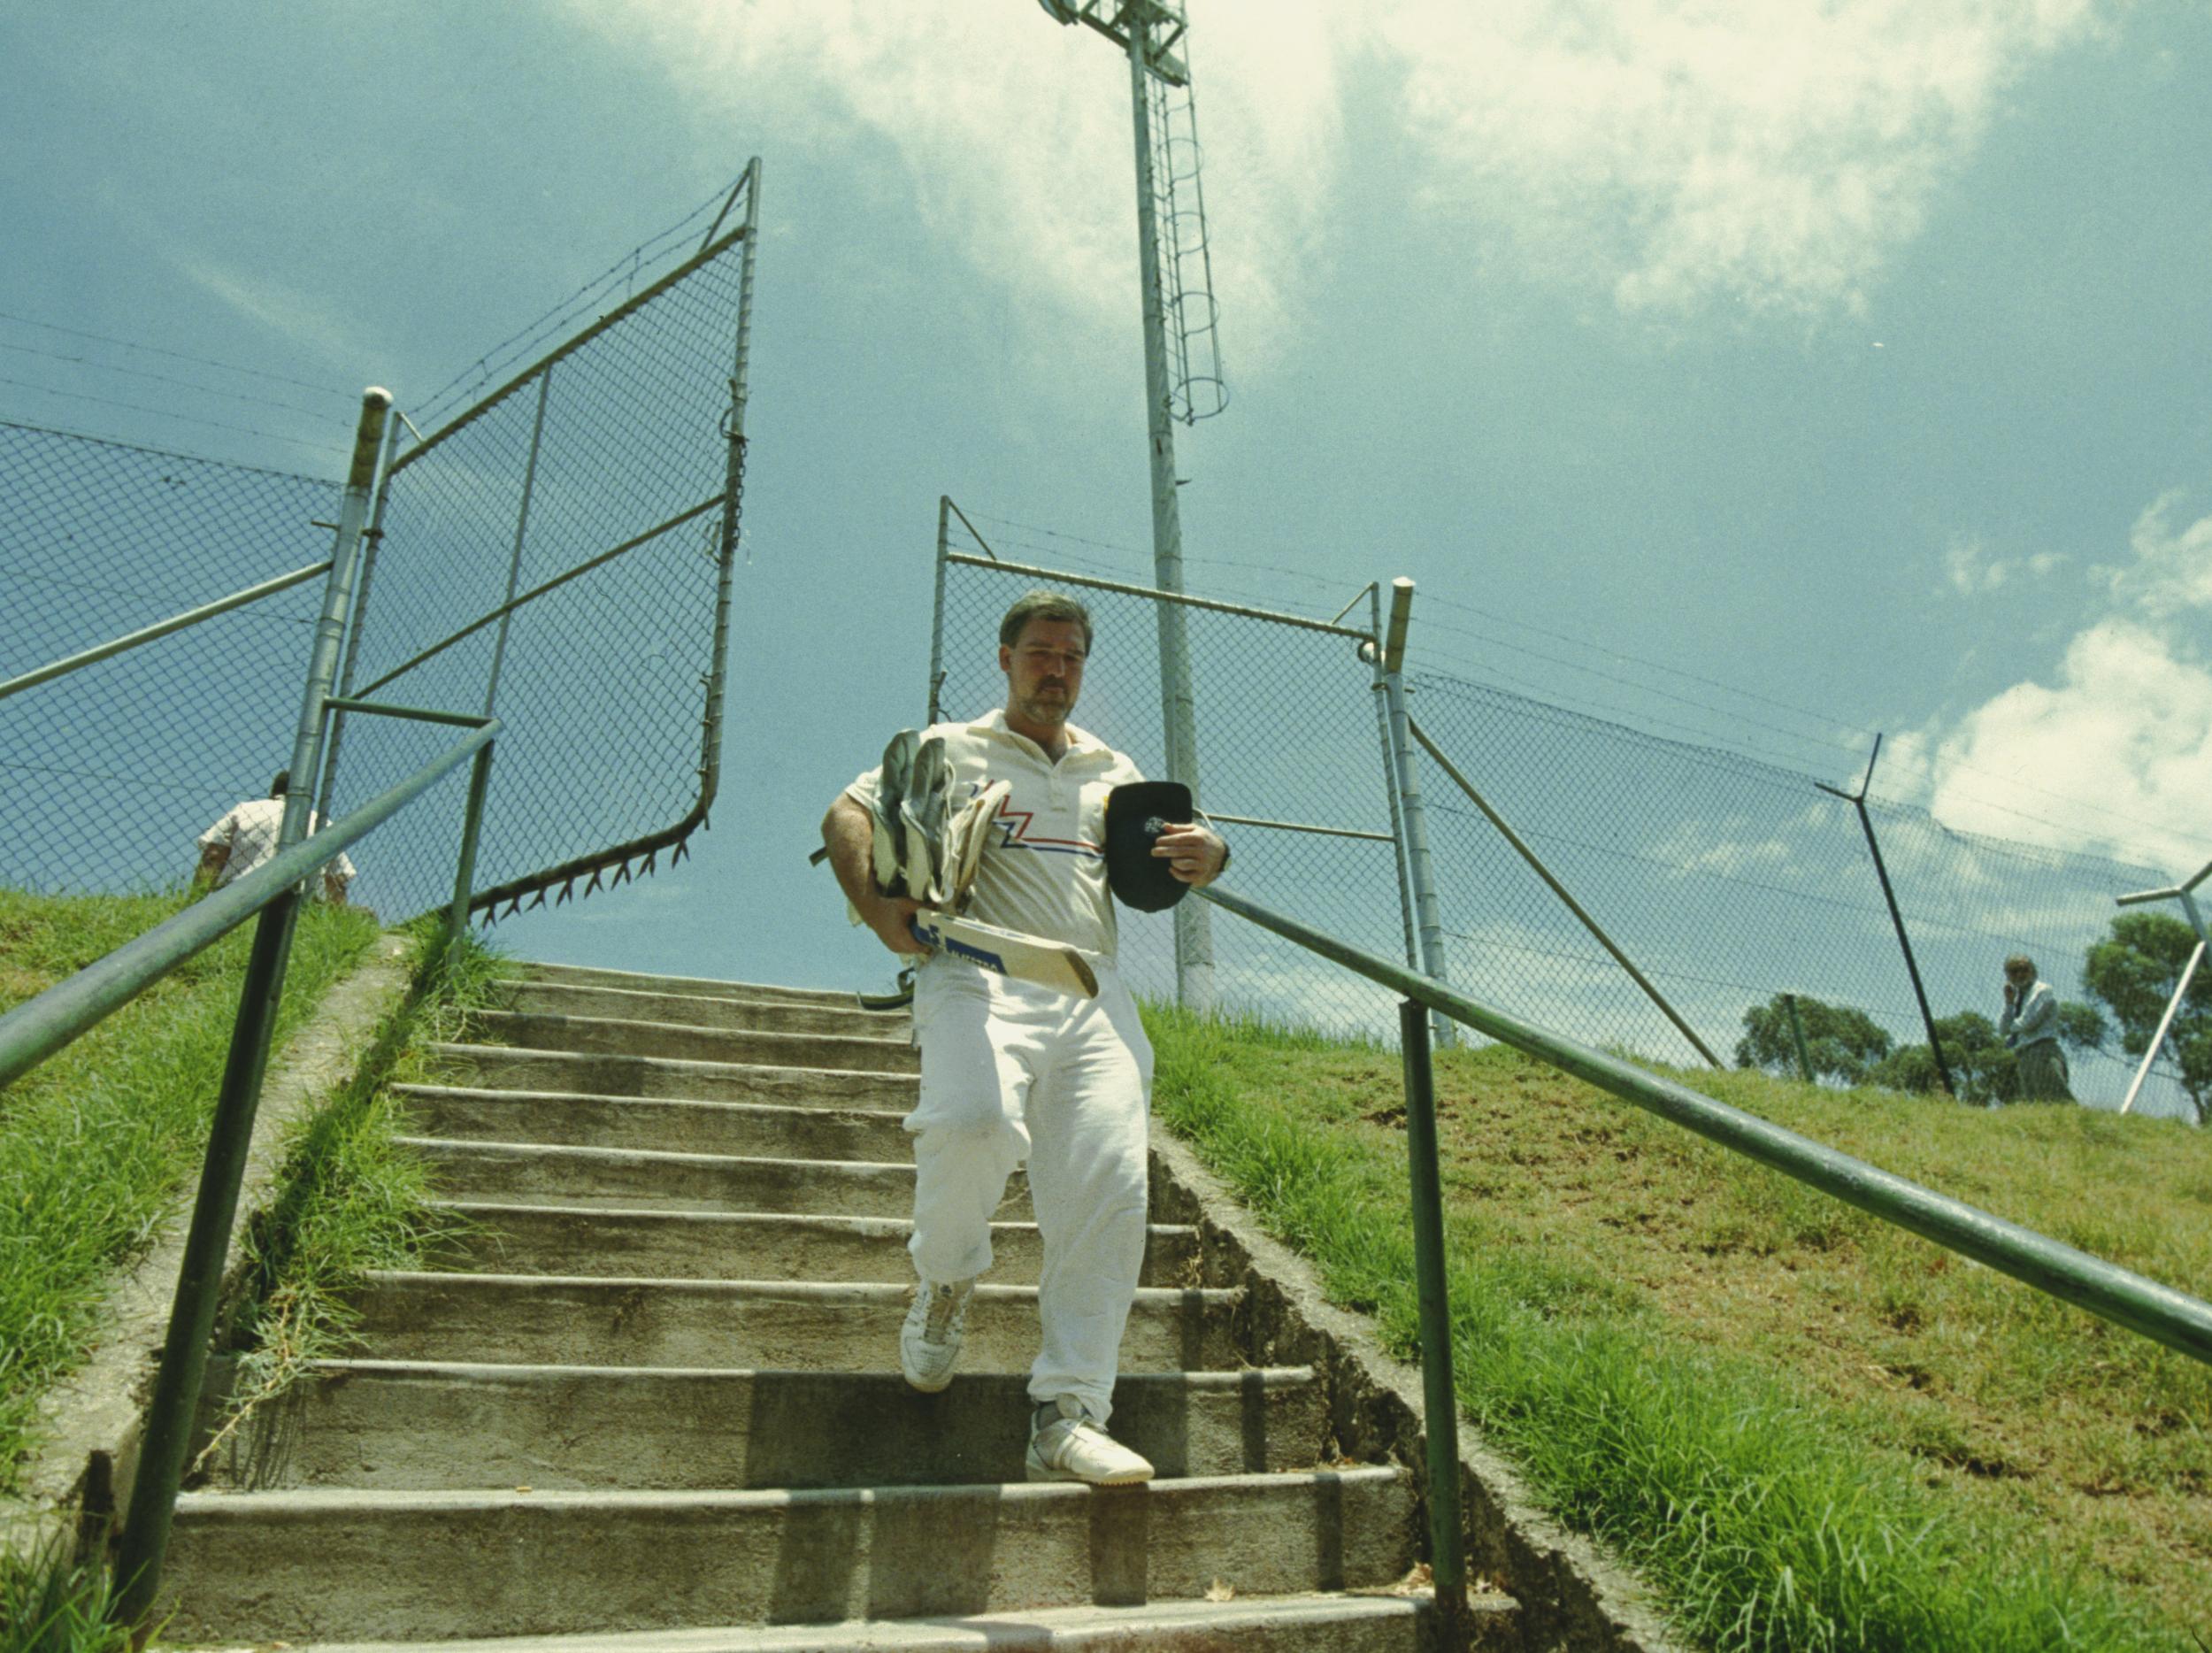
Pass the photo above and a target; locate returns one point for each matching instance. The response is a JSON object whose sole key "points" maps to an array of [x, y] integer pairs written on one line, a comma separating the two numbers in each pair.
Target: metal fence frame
{"points": [[641, 852], [34, 1031], [1382, 646]]}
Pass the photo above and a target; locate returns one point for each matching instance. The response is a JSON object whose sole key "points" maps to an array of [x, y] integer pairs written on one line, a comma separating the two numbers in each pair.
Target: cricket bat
{"points": [[1024, 957]]}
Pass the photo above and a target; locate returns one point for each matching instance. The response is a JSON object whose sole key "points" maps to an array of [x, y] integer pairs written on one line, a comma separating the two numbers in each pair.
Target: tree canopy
{"points": [[1843, 1044], [2133, 973]]}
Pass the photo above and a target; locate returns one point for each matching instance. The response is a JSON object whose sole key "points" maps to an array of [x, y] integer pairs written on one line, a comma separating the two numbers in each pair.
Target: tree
{"points": [[2134, 972], [1983, 1069], [1843, 1044]]}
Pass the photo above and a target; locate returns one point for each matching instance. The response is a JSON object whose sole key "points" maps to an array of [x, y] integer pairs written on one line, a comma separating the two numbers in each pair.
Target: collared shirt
{"points": [[251, 830], [2031, 1018], [1043, 870]]}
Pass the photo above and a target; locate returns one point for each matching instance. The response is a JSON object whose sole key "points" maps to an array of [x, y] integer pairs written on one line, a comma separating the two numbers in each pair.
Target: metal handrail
{"points": [[2160, 1312], [47, 1024], [41, 1026]]}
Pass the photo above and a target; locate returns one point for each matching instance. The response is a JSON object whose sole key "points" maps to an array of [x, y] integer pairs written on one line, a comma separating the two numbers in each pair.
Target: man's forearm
{"points": [[849, 836]]}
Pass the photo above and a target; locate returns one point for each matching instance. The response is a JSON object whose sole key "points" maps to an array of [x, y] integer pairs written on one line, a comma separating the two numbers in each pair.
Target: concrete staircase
{"points": [[653, 1403]]}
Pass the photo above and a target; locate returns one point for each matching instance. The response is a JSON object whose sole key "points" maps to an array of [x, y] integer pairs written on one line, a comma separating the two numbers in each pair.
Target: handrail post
{"points": [[174, 1408], [1448, 1562], [1418, 865], [465, 871], [172, 1412]]}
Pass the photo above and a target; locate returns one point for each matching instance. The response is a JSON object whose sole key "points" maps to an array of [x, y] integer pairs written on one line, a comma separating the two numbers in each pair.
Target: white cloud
{"points": [[1771, 156], [1971, 567], [2116, 750], [1011, 136], [1678, 152], [278, 308]]}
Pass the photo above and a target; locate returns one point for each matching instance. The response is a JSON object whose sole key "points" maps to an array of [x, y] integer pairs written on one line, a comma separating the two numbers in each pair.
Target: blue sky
{"points": [[1853, 361]]}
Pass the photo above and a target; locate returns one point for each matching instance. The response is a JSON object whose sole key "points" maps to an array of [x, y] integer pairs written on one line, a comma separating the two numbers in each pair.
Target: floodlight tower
{"points": [[1182, 362]]}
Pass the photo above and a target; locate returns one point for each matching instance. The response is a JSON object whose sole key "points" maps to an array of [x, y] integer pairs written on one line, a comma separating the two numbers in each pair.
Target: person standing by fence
{"points": [[2029, 1026]]}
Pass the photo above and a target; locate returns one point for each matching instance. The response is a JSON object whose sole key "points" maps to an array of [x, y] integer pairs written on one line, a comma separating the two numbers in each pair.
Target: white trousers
{"points": [[1014, 1073]]}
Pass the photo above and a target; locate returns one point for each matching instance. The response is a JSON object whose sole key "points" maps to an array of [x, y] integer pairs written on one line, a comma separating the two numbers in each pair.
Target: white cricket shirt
{"points": [[251, 830], [1043, 870]]}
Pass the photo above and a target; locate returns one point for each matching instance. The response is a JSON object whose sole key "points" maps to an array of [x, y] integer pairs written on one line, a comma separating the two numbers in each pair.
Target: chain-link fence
{"points": [[555, 549], [1286, 733], [593, 496], [1725, 880], [108, 774], [1730, 881]]}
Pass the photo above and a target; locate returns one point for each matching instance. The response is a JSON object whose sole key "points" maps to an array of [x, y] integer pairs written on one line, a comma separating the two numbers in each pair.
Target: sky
{"points": [[1768, 376]]}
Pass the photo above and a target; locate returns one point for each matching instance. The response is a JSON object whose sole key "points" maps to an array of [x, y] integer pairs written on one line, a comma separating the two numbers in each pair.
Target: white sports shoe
{"points": [[1065, 1445], [929, 1342]]}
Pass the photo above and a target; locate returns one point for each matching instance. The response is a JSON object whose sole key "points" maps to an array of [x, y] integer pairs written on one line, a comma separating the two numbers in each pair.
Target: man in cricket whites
{"points": [[1013, 1072]]}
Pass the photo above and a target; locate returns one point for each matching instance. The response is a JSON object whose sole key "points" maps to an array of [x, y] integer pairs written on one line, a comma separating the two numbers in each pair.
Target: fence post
{"points": [[1439, 1402], [1857, 801], [937, 610], [1416, 824], [716, 681], [1373, 651], [1797, 1036], [2185, 895], [358, 618], [174, 1408], [456, 926], [522, 530]]}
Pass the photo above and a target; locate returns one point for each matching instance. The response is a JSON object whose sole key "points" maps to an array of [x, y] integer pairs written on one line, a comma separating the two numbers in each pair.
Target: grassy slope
{"points": [[97, 1142], [1809, 1428], [350, 1198]]}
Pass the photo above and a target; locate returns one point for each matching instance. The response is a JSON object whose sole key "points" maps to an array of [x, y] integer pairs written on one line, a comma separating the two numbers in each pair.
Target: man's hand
{"points": [[1193, 854], [848, 832], [892, 919]]}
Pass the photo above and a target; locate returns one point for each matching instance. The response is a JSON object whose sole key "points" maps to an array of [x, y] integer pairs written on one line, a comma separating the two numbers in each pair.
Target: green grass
{"points": [[98, 1143], [1807, 1430], [349, 1199], [50, 1603]]}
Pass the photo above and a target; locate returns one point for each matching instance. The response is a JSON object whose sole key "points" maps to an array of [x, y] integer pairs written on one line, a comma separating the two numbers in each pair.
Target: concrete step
{"points": [[519, 1238], [396, 1426], [501, 1067], [571, 1321], [298, 1565], [699, 1009], [1390, 1623], [602, 1035], [760, 1130], [706, 986], [535, 1174]]}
